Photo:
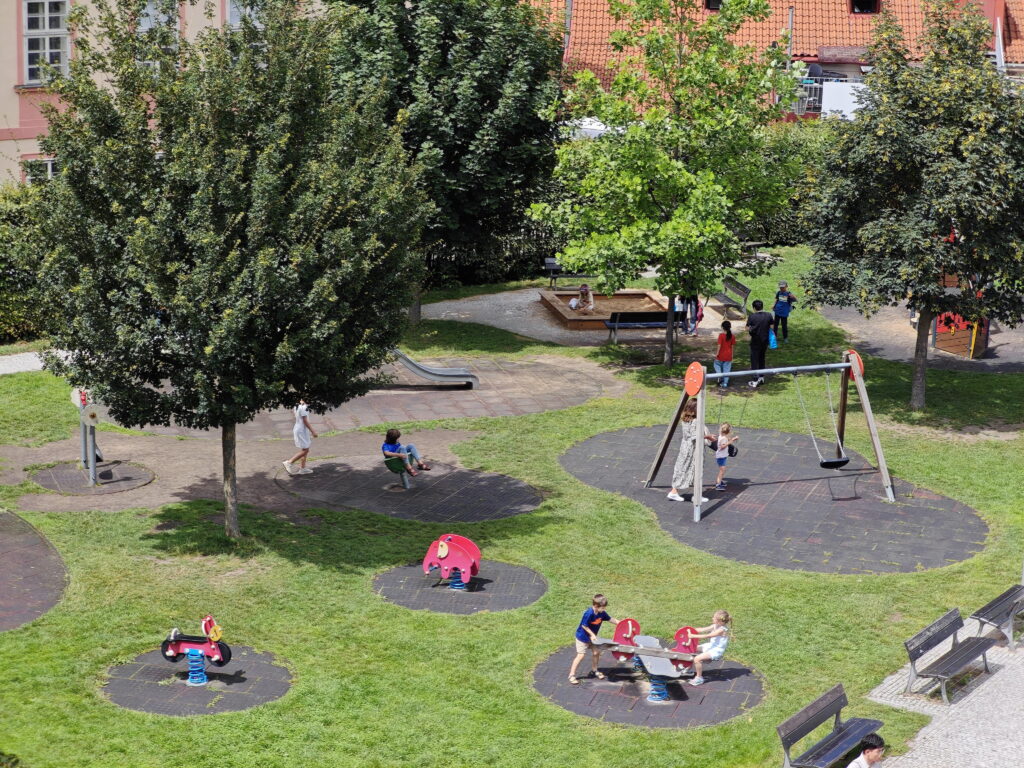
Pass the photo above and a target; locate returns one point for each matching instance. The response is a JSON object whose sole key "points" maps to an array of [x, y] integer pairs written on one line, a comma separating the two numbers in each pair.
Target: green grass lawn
{"points": [[379, 685]]}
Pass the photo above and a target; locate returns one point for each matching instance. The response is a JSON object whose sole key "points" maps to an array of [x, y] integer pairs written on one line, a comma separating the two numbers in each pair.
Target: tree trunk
{"points": [[415, 310], [917, 387], [227, 441], [670, 336]]}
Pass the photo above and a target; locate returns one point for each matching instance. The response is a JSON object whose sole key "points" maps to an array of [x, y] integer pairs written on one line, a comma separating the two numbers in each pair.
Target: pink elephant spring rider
{"points": [[456, 557]]}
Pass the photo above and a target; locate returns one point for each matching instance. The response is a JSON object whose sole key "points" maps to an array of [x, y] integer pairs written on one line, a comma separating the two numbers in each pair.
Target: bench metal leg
{"points": [[911, 680], [984, 661], [945, 698]]}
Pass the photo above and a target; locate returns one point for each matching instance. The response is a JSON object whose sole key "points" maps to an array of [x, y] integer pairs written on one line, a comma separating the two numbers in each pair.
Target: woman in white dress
{"points": [[682, 472], [303, 434]]}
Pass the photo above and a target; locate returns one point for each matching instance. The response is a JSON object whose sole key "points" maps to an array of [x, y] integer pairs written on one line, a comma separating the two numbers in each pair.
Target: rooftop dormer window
{"points": [[864, 6]]}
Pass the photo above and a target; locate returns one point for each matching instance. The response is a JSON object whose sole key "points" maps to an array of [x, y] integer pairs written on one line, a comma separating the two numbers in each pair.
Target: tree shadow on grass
{"points": [[454, 337], [344, 540]]}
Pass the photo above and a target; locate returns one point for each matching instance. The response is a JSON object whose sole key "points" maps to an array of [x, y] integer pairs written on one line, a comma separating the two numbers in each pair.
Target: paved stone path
{"points": [[498, 587], [779, 508], [982, 727], [730, 690], [23, 361], [888, 334], [442, 495], [32, 574], [150, 683], [111, 477], [521, 312]]}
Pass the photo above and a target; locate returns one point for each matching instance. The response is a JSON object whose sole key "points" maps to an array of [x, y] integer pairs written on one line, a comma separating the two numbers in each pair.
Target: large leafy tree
{"points": [[468, 80], [683, 168], [228, 231], [926, 181]]}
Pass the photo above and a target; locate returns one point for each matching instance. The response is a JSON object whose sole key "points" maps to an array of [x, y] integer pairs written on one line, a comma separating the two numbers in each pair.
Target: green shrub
{"points": [[804, 142], [20, 315]]}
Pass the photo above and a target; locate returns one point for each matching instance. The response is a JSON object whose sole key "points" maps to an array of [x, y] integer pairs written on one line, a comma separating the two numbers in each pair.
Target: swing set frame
{"points": [[696, 382]]}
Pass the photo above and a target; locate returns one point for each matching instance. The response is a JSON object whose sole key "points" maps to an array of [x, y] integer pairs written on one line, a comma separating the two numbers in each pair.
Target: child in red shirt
{"points": [[723, 360]]}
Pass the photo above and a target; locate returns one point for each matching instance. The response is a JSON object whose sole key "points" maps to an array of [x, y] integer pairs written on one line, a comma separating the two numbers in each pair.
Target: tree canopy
{"points": [[927, 180], [229, 230], [682, 169], [468, 80]]}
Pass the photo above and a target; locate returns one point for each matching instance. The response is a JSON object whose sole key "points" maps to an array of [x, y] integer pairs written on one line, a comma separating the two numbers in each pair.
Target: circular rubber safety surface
{"points": [[729, 690], [498, 587], [32, 574], [112, 476], [150, 683], [781, 509], [444, 494]]}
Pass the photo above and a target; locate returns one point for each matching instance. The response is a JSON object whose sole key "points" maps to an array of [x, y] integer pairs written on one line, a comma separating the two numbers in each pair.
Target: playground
{"points": [[352, 642]]}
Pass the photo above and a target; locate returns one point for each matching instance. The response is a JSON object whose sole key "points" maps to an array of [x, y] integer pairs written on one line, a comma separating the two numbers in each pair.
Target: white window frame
{"points": [[46, 30], [151, 17], [236, 11], [49, 163]]}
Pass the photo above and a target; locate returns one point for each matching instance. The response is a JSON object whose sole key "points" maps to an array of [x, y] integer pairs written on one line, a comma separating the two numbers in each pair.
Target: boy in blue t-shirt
{"points": [[586, 633]]}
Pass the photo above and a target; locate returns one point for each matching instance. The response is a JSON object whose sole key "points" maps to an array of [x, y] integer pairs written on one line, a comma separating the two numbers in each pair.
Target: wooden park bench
{"points": [[845, 734], [636, 320], [555, 273], [961, 654], [732, 288], [1001, 612]]}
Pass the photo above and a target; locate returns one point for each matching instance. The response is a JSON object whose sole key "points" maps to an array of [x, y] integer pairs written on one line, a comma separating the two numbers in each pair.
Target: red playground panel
{"points": [[684, 644], [625, 631], [216, 652], [451, 552]]}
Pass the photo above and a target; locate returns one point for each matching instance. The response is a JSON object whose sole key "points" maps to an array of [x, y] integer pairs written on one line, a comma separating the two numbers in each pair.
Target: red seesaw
{"points": [[457, 557]]}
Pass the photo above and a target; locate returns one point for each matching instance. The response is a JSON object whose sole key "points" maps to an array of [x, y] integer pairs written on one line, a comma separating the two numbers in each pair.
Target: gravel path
{"points": [[23, 361]]}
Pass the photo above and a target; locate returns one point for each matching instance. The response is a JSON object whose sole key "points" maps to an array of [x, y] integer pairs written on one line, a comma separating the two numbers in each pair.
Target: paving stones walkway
{"points": [[889, 334], [32, 574], [507, 388], [150, 683], [498, 587], [982, 727], [730, 690], [445, 494], [782, 510]]}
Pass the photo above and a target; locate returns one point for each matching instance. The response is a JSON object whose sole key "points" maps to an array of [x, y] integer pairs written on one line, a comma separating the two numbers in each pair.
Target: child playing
{"points": [[718, 634], [725, 439], [407, 453], [586, 633], [585, 303], [723, 360], [784, 301]]}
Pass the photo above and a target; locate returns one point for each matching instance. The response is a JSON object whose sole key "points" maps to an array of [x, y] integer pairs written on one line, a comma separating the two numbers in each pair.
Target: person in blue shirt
{"points": [[407, 453], [586, 633], [784, 301]]}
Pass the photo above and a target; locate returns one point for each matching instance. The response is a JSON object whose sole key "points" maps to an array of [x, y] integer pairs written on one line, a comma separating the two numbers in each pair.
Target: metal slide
{"points": [[438, 375]]}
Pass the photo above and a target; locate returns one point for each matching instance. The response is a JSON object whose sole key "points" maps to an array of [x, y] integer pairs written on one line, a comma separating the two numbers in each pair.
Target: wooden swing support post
{"points": [[851, 368]]}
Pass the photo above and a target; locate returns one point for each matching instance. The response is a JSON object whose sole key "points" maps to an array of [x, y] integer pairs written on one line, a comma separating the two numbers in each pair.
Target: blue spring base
{"points": [[637, 664], [196, 667], [456, 582], [659, 689]]}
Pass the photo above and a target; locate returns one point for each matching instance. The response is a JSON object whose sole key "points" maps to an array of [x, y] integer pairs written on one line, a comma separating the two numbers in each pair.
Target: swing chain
{"points": [[807, 416]]}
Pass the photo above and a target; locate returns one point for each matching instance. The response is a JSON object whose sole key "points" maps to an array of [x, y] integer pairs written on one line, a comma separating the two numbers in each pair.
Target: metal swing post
{"points": [[876, 443], [698, 456]]}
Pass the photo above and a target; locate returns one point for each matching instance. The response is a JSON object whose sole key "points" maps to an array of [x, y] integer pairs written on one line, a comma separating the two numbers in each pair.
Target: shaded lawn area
{"points": [[379, 685]]}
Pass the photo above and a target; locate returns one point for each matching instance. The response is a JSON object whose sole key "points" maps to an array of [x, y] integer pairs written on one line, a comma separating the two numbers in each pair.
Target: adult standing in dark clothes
{"points": [[758, 324]]}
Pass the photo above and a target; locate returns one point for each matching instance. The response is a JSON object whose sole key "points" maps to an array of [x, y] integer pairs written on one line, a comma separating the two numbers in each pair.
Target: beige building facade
{"points": [[34, 33]]}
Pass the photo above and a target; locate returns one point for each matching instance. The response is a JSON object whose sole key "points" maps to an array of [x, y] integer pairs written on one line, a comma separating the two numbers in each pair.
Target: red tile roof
{"points": [[823, 30]]}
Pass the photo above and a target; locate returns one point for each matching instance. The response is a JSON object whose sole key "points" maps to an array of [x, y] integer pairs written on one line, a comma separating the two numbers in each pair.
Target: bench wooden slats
{"points": [[843, 737], [635, 320], [736, 288], [1000, 613], [555, 273], [952, 662]]}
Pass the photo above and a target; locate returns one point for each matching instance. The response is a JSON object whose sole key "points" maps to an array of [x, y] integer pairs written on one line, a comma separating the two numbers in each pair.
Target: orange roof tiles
{"points": [[823, 30]]}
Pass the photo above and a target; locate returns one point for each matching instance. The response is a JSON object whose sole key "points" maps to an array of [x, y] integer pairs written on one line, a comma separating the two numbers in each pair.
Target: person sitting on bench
{"points": [[406, 453], [584, 304], [872, 747]]}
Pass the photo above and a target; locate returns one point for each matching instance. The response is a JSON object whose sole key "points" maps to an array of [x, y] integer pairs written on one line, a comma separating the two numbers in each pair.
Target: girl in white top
{"points": [[725, 439], [303, 433], [718, 636]]}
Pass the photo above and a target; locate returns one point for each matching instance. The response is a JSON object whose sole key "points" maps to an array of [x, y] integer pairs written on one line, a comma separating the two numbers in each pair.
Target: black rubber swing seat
{"points": [[834, 463]]}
